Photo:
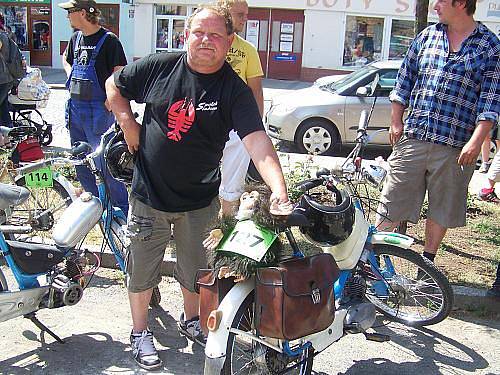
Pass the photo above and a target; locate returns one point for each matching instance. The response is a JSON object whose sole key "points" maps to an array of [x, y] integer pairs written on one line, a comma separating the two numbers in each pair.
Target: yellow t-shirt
{"points": [[244, 59]]}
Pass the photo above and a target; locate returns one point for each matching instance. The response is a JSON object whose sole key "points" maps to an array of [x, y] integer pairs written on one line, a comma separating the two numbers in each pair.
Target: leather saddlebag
{"points": [[212, 291], [296, 298]]}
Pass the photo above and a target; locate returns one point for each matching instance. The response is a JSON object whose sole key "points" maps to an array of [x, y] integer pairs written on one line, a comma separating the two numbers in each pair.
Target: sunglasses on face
{"points": [[73, 10]]}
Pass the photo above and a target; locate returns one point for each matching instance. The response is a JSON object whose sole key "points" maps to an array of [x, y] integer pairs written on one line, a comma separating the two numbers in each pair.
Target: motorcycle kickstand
{"points": [[43, 327]]}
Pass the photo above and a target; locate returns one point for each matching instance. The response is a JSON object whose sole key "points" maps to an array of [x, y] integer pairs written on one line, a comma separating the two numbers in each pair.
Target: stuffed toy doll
{"points": [[239, 245]]}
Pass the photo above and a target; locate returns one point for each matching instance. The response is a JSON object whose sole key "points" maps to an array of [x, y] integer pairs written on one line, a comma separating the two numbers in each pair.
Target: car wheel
{"points": [[317, 137], [493, 150]]}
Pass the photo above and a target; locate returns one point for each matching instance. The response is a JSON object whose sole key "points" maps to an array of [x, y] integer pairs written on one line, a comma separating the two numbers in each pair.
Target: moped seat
{"points": [[35, 258], [12, 195]]}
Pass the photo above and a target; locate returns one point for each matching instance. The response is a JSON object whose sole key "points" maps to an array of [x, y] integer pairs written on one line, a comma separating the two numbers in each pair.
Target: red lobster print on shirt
{"points": [[180, 118]]}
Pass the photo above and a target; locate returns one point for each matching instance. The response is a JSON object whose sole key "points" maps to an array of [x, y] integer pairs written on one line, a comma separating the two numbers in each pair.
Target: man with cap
{"points": [[92, 55]]}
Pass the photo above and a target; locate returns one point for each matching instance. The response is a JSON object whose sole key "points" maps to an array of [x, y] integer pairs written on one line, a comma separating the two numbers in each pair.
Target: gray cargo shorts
{"points": [[417, 167], [149, 232]]}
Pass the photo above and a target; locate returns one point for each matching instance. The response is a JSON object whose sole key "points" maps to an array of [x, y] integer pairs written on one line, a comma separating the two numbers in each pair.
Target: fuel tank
{"points": [[77, 220]]}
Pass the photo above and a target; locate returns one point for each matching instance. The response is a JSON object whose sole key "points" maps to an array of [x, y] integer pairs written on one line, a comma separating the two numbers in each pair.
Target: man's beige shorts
{"points": [[149, 232], [417, 167]]}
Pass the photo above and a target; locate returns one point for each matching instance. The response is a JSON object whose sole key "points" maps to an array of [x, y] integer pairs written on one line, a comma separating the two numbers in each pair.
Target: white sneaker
{"points": [[144, 351]]}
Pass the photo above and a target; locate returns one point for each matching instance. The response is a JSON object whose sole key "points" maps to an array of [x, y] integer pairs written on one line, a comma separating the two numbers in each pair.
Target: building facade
{"points": [[42, 31], [304, 39], [296, 39]]}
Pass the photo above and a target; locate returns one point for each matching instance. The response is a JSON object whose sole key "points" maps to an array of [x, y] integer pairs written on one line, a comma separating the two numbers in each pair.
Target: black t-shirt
{"points": [[110, 55], [186, 123]]}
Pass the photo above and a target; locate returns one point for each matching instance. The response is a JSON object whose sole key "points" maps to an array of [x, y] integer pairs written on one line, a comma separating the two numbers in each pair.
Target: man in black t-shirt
{"points": [[92, 55], [193, 99]]}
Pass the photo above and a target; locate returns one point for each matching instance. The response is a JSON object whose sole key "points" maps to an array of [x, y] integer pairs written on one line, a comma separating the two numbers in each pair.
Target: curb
{"points": [[473, 299]]}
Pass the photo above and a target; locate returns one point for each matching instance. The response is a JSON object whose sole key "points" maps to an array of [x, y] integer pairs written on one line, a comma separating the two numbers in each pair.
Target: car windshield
{"points": [[349, 79]]}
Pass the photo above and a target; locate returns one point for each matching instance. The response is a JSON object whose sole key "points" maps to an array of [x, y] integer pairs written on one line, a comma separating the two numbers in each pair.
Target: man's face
{"points": [[207, 42], [446, 10], [76, 17], [239, 14]]}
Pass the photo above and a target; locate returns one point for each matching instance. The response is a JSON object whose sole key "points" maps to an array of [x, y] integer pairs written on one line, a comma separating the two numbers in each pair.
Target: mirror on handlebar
{"points": [[363, 91]]}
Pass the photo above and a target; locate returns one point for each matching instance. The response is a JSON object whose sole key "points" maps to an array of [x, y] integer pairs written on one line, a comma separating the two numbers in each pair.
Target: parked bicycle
{"points": [[376, 271]]}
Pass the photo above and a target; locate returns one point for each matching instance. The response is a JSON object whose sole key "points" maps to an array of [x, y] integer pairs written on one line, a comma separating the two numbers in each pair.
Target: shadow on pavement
{"points": [[97, 352], [433, 354]]}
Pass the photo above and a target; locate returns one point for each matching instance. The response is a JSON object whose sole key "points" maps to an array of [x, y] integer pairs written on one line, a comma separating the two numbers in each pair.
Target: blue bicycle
{"points": [[50, 276]]}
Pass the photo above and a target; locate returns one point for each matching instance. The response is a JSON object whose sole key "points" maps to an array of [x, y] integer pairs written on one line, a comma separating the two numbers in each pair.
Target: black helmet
{"points": [[119, 160], [330, 225]]}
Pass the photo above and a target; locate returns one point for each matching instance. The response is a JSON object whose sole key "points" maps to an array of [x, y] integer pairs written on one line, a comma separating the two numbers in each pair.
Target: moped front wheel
{"points": [[413, 290], [247, 356]]}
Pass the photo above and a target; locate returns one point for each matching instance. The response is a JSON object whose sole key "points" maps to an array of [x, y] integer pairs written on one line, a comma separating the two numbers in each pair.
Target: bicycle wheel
{"points": [[42, 210], [248, 356], [414, 291], [118, 238]]}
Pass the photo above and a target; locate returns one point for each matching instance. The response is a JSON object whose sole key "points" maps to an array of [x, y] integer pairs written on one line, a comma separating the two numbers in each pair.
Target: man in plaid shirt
{"points": [[449, 81]]}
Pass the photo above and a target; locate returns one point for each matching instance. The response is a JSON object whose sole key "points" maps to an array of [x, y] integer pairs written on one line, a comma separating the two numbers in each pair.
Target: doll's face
{"points": [[248, 200]]}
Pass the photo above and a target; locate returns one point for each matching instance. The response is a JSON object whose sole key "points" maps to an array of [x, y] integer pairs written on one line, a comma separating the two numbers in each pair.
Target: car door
{"points": [[380, 119]]}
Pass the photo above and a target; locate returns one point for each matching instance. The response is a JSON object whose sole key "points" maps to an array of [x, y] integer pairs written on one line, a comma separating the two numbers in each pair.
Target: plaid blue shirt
{"points": [[448, 93]]}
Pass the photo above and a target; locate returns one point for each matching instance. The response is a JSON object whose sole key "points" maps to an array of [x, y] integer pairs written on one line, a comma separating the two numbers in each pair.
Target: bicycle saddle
{"points": [[12, 195]]}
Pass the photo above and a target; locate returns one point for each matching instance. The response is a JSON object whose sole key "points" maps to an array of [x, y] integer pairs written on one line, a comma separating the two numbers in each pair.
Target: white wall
{"points": [[144, 28], [323, 39]]}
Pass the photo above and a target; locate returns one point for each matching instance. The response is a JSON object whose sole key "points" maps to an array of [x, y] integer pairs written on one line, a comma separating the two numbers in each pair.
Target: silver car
{"points": [[322, 116]]}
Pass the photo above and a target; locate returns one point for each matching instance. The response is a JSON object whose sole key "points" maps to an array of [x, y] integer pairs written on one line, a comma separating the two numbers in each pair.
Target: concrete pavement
{"points": [[96, 331]]}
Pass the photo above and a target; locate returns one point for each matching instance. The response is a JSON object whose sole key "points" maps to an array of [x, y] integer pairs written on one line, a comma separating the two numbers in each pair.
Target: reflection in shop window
{"points": [[402, 33], [162, 34], [15, 24], [41, 35], [178, 34], [363, 40]]}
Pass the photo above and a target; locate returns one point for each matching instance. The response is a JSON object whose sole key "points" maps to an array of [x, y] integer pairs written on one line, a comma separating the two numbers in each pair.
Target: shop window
{"points": [[110, 17], [170, 34], [178, 34], [41, 35], [363, 40], [167, 9], [16, 22], [162, 27], [402, 33]]}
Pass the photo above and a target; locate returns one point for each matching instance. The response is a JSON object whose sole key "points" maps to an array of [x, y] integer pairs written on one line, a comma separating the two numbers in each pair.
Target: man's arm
{"points": [[264, 156], [255, 85], [396, 128], [123, 113], [470, 151], [66, 65]]}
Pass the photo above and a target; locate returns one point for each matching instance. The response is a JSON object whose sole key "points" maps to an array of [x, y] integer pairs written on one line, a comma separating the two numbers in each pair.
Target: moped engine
{"points": [[64, 292], [66, 283]]}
